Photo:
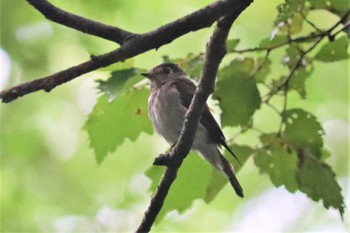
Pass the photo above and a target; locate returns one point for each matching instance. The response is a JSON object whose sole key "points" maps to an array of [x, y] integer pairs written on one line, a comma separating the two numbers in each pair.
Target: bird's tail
{"points": [[214, 157], [228, 170]]}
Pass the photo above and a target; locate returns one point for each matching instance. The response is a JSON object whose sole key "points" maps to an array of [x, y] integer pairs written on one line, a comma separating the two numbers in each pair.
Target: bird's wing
{"points": [[188, 88], [214, 129]]}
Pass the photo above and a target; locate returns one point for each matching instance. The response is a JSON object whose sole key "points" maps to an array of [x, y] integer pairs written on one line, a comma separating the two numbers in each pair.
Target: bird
{"points": [[170, 97]]}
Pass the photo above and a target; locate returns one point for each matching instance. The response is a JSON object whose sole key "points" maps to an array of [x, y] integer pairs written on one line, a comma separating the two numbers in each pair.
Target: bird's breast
{"points": [[166, 112]]}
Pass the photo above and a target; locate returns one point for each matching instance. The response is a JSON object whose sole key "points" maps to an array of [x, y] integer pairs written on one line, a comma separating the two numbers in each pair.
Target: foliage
{"points": [[106, 119], [191, 184], [278, 161], [334, 50], [240, 91], [239, 88], [264, 88]]}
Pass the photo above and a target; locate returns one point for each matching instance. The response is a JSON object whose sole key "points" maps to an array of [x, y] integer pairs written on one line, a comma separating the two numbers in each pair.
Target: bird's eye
{"points": [[167, 70]]}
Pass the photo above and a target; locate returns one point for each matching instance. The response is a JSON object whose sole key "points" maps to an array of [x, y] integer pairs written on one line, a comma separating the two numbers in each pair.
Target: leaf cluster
{"points": [[292, 156]]}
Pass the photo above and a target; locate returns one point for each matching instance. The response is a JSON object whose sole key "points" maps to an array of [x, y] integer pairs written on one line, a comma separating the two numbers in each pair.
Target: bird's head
{"points": [[163, 73]]}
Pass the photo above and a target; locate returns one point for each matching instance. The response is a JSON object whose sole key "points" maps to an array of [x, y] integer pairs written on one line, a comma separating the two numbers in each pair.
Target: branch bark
{"points": [[80, 23], [132, 46], [216, 49]]}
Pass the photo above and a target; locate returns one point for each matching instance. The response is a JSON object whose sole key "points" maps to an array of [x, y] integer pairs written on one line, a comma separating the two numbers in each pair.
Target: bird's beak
{"points": [[147, 75]]}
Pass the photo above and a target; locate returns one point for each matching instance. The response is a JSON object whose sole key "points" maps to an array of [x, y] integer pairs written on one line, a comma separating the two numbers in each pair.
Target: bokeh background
{"points": [[50, 180]]}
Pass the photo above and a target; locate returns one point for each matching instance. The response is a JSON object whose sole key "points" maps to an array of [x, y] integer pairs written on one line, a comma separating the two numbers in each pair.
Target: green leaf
{"points": [[278, 161], [296, 24], [237, 92], [263, 70], [292, 56], [117, 82], [297, 82], [109, 124], [242, 152], [154, 173], [292, 25], [317, 181], [191, 183], [192, 64], [166, 59], [288, 9], [232, 44], [218, 181], [126, 64], [303, 131], [245, 66], [318, 3], [338, 7], [334, 50]]}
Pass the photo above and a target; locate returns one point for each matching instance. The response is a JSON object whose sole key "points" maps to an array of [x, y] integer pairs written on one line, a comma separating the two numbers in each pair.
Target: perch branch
{"points": [[137, 44], [216, 50], [80, 23]]}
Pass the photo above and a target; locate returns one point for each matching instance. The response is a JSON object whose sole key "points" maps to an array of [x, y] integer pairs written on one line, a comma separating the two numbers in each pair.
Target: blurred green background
{"points": [[50, 181]]}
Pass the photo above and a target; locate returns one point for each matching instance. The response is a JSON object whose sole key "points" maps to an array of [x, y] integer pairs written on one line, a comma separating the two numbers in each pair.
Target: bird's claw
{"points": [[162, 160]]}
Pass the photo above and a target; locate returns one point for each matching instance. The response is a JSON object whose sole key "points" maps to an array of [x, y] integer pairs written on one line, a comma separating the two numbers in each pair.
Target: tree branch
{"points": [[135, 45], [302, 39], [216, 49], [298, 64], [80, 23]]}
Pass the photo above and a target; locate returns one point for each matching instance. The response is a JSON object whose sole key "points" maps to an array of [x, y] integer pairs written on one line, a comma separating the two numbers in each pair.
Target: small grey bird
{"points": [[171, 95]]}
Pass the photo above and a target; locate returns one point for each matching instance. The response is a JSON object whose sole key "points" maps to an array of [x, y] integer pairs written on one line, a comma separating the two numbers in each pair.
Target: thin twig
{"points": [[339, 22], [273, 47], [345, 26], [300, 39], [309, 22], [274, 108], [321, 36]]}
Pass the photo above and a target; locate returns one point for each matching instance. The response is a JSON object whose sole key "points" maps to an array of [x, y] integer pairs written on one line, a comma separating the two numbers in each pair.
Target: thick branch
{"points": [[216, 50], [79, 23], [135, 45]]}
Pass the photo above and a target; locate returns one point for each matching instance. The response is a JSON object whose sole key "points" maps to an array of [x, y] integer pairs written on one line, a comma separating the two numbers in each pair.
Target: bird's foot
{"points": [[162, 160]]}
